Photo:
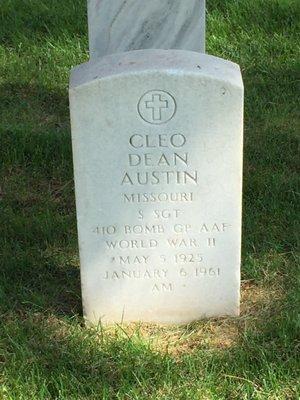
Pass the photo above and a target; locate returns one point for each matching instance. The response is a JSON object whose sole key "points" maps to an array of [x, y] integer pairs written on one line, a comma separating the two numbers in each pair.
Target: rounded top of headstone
{"points": [[154, 61]]}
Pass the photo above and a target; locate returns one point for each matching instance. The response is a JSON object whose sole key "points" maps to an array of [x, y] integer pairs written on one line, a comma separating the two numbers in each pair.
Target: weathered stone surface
{"points": [[121, 25], [157, 144]]}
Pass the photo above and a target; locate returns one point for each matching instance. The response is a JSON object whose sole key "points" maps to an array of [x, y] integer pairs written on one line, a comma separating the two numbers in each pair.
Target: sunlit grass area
{"points": [[46, 352]]}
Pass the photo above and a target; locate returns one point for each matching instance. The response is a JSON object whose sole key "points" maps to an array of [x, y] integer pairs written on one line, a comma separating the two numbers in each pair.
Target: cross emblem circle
{"points": [[157, 107]]}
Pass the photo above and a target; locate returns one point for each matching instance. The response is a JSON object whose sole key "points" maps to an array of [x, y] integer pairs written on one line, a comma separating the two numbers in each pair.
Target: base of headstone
{"points": [[157, 144]]}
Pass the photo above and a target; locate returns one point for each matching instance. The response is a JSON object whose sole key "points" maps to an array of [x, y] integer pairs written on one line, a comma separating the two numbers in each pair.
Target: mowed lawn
{"points": [[45, 350]]}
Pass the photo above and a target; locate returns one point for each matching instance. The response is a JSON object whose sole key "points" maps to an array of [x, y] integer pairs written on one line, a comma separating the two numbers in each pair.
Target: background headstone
{"points": [[157, 145], [121, 25]]}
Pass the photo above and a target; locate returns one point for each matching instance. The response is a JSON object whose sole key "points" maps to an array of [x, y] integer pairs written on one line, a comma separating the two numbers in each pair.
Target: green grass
{"points": [[45, 350]]}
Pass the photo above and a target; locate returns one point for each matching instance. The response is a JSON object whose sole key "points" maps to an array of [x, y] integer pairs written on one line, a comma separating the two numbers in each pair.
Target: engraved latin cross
{"points": [[157, 105]]}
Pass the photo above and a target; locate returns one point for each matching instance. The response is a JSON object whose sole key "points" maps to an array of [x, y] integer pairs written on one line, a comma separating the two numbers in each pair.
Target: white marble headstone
{"points": [[117, 26], [157, 144]]}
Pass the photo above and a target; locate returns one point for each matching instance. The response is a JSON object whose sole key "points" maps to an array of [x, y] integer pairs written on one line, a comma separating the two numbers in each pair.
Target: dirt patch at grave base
{"points": [[257, 304]]}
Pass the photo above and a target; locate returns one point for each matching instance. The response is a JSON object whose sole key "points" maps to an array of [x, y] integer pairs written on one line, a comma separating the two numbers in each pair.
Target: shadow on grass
{"points": [[33, 107], [40, 267], [40, 21]]}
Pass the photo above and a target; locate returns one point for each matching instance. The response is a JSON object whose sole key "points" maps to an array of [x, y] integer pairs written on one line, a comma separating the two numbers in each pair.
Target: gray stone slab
{"points": [[121, 25], [157, 143]]}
